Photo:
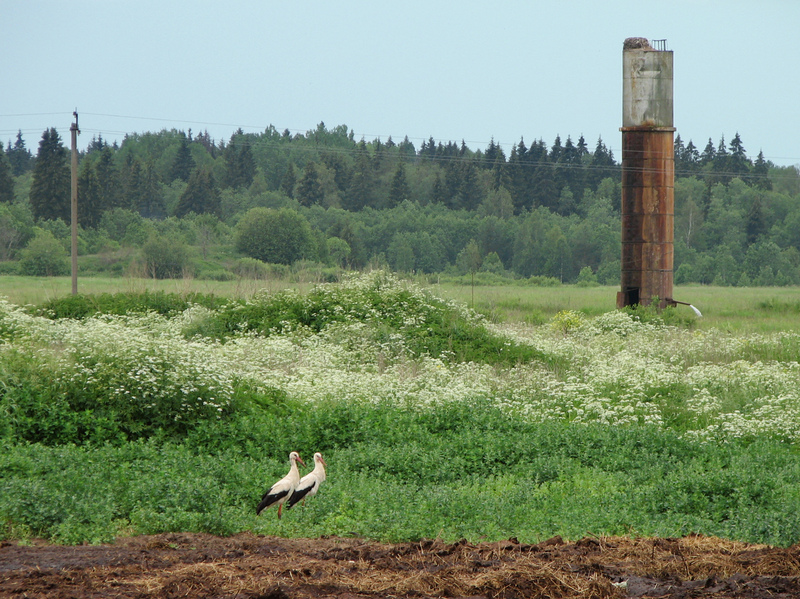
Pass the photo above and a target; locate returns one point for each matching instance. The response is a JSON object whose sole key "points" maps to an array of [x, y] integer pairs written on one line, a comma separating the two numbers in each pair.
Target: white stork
{"points": [[309, 484], [283, 489]]}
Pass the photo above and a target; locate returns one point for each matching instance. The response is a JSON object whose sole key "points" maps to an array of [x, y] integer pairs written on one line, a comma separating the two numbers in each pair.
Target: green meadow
{"points": [[149, 406], [735, 309]]}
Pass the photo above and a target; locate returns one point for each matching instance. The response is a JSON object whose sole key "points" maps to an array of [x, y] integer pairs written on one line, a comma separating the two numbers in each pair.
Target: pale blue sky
{"points": [[452, 70]]}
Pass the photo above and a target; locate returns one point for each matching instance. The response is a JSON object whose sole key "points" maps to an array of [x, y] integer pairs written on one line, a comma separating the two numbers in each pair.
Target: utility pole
{"points": [[73, 128]]}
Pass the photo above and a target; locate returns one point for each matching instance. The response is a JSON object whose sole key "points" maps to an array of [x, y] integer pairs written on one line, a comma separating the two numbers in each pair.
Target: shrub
{"points": [[124, 226], [251, 268], [493, 264], [587, 278], [543, 281], [44, 256], [281, 236], [165, 257]]}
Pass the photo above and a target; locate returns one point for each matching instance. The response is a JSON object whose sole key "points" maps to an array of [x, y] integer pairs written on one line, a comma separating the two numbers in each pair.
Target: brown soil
{"points": [[247, 566]]}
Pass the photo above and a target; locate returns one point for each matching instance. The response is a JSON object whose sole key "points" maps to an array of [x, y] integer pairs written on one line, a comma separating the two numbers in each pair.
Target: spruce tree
{"points": [[490, 155], [309, 188], [377, 159], [239, 163], [691, 158], [360, 191], [571, 173], [756, 226], [500, 176], [6, 182], [583, 148], [761, 173], [341, 172], [406, 149], [151, 201], [200, 196], [452, 183], [721, 165], [469, 190], [738, 163], [543, 182], [438, 191], [428, 151], [399, 188], [288, 181], [108, 179], [96, 145], [570, 154], [678, 153], [183, 165], [133, 184], [89, 196], [519, 176], [19, 156], [50, 189], [709, 153], [247, 165], [555, 151], [602, 165]]}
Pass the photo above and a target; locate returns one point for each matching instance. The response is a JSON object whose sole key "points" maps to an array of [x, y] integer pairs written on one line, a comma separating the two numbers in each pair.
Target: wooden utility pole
{"points": [[73, 128]]}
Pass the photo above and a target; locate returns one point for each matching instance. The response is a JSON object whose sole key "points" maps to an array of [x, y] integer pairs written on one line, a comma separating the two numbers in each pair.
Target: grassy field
{"points": [[734, 309], [434, 423], [37, 290]]}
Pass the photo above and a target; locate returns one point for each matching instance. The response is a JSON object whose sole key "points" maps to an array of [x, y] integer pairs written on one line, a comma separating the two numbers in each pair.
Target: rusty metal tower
{"points": [[648, 174]]}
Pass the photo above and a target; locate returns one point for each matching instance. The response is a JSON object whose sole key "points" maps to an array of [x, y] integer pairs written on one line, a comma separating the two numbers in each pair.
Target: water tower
{"points": [[648, 174]]}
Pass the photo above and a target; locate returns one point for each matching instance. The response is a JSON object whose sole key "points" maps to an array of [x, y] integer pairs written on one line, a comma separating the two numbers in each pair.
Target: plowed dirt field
{"points": [[247, 566]]}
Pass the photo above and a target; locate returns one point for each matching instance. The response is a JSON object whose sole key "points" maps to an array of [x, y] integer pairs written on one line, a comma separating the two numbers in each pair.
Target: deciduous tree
{"points": [[278, 236]]}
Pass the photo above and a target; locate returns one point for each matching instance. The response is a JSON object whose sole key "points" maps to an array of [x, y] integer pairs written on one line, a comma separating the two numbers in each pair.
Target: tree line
{"points": [[540, 210]]}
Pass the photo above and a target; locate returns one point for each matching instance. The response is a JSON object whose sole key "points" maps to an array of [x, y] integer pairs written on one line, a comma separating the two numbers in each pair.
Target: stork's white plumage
{"points": [[283, 489], [309, 484]]}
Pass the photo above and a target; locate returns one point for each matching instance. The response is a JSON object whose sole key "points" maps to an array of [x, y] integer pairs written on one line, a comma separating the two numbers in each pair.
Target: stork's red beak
{"points": [[299, 459]]}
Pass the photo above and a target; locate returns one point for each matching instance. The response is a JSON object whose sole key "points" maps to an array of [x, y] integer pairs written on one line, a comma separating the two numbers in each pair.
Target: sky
{"points": [[452, 70]]}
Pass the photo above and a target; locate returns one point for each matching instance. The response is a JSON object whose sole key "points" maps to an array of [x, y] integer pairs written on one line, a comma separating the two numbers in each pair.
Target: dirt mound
{"points": [[246, 566]]}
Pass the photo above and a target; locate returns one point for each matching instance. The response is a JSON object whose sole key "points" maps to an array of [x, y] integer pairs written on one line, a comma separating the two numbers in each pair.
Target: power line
{"points": [[3, 116], [4, 132]]}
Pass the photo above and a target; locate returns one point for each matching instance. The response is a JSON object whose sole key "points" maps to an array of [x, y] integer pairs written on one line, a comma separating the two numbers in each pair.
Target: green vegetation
{"points": [[145, 412], [167, 304], [167, 204], [464, 471]]}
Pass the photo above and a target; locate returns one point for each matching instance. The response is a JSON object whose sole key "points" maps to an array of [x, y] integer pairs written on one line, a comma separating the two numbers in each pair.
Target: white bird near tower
{"points": [[283, 489]]}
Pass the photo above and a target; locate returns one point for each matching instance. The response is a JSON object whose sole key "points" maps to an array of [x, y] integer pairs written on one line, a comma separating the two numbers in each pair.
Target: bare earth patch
{"points": [[247, 566]]}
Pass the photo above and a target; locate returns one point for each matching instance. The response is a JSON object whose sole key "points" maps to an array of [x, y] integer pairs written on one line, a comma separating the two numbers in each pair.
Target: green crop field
{"points": [[173, 408]]}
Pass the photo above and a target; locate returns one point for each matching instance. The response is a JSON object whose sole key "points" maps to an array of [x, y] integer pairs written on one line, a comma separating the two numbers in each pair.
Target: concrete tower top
{"points": [[646, 85]]}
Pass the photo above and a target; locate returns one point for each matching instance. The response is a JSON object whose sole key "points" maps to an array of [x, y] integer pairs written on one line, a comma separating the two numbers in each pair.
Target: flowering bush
{"points": [[375, 339]]}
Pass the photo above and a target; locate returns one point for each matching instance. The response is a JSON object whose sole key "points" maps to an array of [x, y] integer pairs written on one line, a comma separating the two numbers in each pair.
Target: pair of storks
{"points": [[291, 488]]}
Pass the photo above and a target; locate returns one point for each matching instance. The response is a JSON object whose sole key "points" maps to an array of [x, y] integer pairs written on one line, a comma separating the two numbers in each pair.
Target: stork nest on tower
{"points": [[637, 43]]}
